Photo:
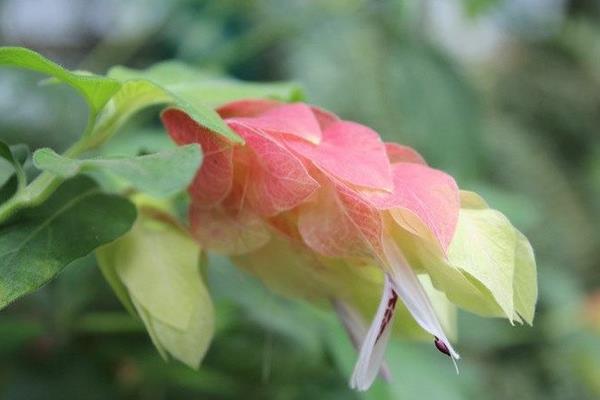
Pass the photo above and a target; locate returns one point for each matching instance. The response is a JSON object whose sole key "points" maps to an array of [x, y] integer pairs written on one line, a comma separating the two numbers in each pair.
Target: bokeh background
{"points": [[504, 94]]}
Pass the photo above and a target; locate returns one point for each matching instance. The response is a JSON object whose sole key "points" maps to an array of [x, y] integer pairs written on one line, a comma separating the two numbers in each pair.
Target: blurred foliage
{"points": [[520, 126]]}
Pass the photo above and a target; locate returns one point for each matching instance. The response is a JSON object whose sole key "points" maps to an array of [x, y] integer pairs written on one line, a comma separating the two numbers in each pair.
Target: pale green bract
{"points": [[525, 279], [484, 247], [498, 256], [489, 268], [154, 272]]}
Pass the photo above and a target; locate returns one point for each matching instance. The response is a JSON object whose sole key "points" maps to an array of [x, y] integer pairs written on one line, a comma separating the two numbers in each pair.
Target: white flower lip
{"points": [[401, 283]]}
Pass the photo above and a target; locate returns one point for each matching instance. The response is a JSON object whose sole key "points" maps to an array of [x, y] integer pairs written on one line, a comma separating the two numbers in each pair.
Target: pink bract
{"points": [[350, 152], [337, 175], [213, 181], [431, 195], [295, 119], [277, 180]]}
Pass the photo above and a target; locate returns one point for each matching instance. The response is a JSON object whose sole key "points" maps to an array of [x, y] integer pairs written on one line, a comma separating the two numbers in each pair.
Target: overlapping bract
{"points": [[333, 177], [331, 196]]}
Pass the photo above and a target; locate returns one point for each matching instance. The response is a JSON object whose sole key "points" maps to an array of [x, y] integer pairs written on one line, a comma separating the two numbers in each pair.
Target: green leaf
{"points": [[41, 241], [136, 142], [159, 174], [206, 87], [163, 73], [97, 90], [155, 269]]}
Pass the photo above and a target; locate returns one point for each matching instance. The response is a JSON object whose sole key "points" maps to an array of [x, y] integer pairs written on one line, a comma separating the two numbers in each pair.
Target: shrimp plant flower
{"points": [[321, 208]]}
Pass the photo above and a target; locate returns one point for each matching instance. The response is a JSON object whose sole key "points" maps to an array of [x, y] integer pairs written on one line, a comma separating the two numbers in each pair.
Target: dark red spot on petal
{"points": [[389, 313]]}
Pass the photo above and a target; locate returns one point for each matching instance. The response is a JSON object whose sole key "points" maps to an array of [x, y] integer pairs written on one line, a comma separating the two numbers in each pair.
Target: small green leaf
{"points": [[41, 241], [136, 142], [97, 90], [205, 87], [155, 269], [137, 94], [163, 73], [160, 174]]}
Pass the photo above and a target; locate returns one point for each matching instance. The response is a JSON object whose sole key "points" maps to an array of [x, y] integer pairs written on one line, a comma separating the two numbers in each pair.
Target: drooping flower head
{"points": [[321, 207]]}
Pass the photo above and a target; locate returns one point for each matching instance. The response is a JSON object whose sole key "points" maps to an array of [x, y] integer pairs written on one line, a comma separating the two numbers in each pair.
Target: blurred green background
{"points": [[504, 94]]}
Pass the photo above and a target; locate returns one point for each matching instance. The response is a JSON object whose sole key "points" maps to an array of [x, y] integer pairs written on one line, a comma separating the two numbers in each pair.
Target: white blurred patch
{"points": [[66, 23], [480, 38]]}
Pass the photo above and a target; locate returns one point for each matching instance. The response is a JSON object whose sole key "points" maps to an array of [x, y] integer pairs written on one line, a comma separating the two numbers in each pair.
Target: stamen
{"points": [[406, 283], [441, 346]]}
